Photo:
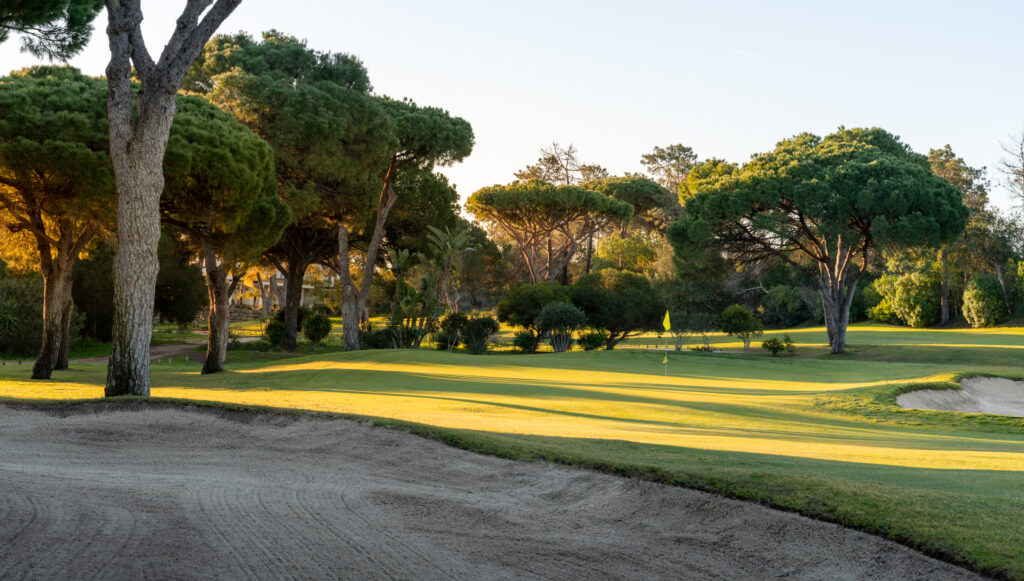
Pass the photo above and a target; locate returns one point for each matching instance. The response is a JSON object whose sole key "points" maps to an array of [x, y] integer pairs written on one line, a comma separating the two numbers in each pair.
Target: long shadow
{"points": [[855, 432]]}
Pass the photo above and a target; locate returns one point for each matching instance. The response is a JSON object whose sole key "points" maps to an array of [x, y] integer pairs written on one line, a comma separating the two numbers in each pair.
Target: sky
{"points": [[616, 79]]}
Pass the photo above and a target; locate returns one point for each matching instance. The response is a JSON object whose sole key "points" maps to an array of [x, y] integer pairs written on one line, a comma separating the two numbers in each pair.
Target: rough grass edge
{"points": [[878, 404], [479, 443]]}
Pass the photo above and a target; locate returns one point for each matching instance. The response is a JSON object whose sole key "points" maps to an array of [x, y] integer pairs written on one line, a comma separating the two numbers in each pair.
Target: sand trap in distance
{"points": [[980, 395]]}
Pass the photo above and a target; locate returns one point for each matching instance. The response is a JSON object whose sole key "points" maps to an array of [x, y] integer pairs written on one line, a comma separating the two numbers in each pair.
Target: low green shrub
{"points": [[787, 342], [561, 319], [316, 327], [374, 338], [447, 340], [274, 331], [525, 341], [450, 328], [773, 345], [478, 332], [592, 340]]}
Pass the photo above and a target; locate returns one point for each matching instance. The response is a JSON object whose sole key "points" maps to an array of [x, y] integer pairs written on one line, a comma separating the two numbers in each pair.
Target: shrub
{"points": [[740, 322], [477, 332], [882, 312], [21, 314], [303, 313], [449, 335], [787, 342], [522, 304], [453, 321], [274, 331], [624, 304], [592, 340], [914, 298], [447, 340], [984, 301], [316, 328], [561, 319], [373, 338], [773, 346], [525, 341]]}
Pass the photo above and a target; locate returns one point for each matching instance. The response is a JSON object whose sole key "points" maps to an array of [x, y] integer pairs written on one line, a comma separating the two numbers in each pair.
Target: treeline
{"points": [[284, 164]]}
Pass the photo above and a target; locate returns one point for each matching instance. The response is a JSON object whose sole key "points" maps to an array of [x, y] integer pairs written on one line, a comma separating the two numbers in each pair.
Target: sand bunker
{"points": [[983, 395], [164, 493]]}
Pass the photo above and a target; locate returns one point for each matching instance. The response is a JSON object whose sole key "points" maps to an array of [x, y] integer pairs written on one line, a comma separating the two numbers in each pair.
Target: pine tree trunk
{"points": [[350, 316], [836, 299], [65, 331], [271, 294], [282, 290], [137, 158], [265, 296], [293, 300], [139, 184], [139, 128], [944, 288], [56, 297], [219, 321], [590, 253]]}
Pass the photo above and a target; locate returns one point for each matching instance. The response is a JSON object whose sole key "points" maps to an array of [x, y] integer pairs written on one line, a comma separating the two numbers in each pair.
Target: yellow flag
{"points": [[665, 360], [667, 323]]}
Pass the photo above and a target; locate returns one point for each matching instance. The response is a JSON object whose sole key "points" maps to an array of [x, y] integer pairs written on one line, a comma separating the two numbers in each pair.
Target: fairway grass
{"points": [[818, 434]]}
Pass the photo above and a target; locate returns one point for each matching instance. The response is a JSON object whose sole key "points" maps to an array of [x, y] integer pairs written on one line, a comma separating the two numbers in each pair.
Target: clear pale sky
{"points": [[617, 78]]}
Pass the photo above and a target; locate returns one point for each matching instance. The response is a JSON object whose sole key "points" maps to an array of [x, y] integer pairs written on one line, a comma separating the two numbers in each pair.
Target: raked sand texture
{"points": [[983, 395], [114, 493]]}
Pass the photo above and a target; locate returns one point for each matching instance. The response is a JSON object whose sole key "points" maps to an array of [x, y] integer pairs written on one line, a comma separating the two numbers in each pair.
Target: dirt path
{"points": [[155, 352], [170, 493]]}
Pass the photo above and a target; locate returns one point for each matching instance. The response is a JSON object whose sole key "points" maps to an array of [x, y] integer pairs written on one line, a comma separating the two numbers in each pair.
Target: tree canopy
{"points": [[546, 222], [220, 186], [56, 29], [647, 197], [823, 205]]}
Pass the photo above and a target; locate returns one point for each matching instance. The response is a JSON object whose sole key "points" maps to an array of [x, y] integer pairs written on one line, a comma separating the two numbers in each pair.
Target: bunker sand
{"points": [[112, 492], [984, 395]]}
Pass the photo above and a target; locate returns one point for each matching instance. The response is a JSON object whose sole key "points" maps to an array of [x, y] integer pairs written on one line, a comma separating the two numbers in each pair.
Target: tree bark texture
{"points": [[139, 128], [65, 334], [265, 296], [836, 298], [219, 321], [57, 306], [350, 312], [293, 300], [944, 286], [56, 258]]}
